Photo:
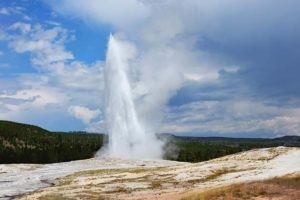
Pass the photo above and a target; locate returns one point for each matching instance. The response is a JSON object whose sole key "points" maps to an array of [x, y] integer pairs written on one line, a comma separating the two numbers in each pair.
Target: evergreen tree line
{"points": [[197, 149], [21, 143]]}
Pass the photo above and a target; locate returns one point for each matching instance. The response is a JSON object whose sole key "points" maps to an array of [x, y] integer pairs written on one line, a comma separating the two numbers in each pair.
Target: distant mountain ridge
{"points": [[23, 143], [286, 137], [197, 149]]}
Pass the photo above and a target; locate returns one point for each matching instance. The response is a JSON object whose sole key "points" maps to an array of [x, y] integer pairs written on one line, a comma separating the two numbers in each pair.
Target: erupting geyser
{"points": [[127, 136]]}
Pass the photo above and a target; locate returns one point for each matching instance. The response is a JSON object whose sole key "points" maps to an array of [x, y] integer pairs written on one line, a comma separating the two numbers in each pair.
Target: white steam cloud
{"points": [[162, 57], [127, 135], [171, 37]]}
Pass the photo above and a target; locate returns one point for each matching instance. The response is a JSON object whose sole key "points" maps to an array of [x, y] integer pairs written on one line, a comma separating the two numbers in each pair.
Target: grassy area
{"points": [[287, 187]]}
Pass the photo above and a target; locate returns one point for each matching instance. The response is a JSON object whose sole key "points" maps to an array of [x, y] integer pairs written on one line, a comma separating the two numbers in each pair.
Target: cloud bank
{"points": [[214, 58], [62, 84], [207, 67]]}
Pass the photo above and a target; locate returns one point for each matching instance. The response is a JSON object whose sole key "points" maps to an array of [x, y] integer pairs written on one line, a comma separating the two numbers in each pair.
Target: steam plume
{"points": [[127, 136]]}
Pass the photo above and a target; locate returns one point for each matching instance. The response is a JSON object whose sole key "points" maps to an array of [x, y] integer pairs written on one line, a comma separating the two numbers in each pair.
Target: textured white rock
{"points": [[247, 166]]}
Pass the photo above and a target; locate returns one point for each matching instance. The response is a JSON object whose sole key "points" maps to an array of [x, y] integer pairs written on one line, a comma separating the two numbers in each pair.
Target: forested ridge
{"points": [[22, 143], [197, 149]]}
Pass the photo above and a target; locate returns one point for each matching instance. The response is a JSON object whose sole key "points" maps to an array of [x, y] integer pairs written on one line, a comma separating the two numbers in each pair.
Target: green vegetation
{"points": [[21, 143], [197, 149]]}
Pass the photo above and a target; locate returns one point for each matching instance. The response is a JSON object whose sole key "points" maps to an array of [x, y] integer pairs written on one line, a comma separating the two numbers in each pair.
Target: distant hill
{"points": [[197, 149], [22, 143], [214, 138]]}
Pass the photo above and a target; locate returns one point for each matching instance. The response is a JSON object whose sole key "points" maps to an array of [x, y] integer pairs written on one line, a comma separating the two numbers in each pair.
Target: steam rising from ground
{"points": [[127, 135]]}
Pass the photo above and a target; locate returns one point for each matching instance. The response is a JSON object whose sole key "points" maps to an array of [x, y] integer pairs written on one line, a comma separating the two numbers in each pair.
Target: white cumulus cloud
{"points": [[83, 113]]}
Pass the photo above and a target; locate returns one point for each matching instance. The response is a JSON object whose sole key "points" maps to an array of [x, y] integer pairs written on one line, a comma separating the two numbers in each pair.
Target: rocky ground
{"points": [[112, 178]]}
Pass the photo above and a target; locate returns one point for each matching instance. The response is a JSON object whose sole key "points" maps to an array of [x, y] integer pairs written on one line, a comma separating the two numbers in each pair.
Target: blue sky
{"points": [[223, 68]]}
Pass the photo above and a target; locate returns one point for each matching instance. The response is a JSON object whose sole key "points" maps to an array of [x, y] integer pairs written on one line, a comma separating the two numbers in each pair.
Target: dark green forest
{"points": [[197, 149], [22, 143]]}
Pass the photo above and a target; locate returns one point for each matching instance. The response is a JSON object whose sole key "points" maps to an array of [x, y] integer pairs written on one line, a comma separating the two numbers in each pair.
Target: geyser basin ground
{"points": [[143, 179]]}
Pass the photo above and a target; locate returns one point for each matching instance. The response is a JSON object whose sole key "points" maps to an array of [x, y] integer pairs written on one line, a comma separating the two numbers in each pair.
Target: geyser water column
{"points": [[127, 136]]}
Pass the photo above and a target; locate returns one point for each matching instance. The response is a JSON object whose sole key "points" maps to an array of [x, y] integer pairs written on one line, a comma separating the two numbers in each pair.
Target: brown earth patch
{"points": [[281, 188]]}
